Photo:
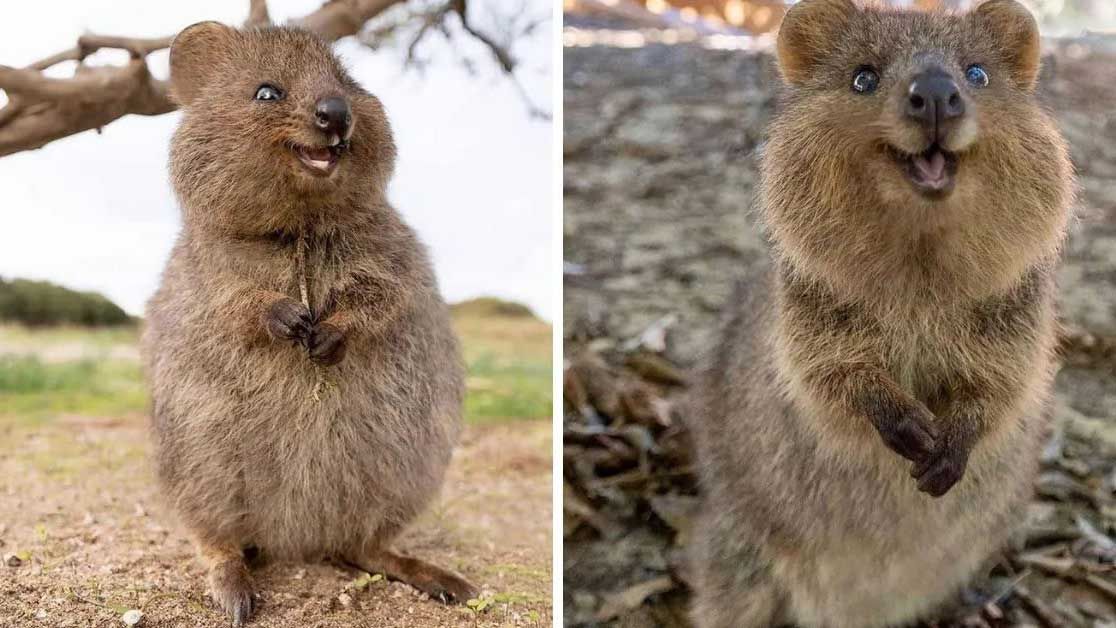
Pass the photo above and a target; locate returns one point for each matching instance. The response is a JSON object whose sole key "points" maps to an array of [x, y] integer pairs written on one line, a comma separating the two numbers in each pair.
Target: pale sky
{"points": [[474, 176]]}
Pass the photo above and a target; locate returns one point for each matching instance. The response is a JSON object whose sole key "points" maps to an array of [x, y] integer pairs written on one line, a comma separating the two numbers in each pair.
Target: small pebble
{"points": [[345, 599], [132, 618], [12, 560]]}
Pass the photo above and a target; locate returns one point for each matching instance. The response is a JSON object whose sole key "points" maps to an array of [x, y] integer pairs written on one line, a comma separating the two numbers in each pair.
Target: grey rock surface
{"points": [[661, 152]]}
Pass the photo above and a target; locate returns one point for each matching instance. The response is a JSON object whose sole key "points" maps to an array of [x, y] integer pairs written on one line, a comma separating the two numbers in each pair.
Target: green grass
{"points": [[502, 388], [94, 338], [47, 373], [33, 391], [509, 364]]}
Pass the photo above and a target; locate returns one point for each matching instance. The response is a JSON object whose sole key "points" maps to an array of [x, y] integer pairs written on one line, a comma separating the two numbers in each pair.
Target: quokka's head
{"points": [[899, 122], [273, 128]]}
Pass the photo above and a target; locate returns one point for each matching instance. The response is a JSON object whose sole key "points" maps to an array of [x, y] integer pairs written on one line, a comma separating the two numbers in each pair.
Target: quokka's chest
{"points": [[308, 273], [925, 353]]}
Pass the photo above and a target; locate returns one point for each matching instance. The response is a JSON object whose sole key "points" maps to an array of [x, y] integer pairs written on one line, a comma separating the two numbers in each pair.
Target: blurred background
{"points": [[86, 223], [679, 20], [665, 108]]}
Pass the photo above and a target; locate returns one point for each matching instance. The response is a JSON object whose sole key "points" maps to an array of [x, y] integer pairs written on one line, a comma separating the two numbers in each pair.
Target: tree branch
{"points": [[138, 48], [503, 56], [434, 19], [42, 109], [343, 18]]}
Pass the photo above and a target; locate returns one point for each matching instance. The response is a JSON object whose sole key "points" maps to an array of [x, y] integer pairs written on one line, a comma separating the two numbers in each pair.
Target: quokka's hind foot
{"points": [[230, 586], [440, 584]]}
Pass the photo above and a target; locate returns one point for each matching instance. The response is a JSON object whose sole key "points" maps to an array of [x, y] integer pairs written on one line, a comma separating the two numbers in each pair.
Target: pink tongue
{"points": [[931, 169], [318, 154]]}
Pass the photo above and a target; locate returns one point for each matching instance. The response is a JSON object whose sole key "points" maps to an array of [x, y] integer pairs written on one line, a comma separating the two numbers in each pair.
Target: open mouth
{"points": [[319, 161], [931, 172]]}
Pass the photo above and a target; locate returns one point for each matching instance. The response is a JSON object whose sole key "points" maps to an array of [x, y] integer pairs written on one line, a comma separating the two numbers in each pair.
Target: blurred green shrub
{"points": [[41, 303], [28, 374]]}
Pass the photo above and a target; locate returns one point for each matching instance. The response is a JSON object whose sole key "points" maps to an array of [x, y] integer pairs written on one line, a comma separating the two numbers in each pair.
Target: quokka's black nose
{"points": [[333, 115], [933, 99]]}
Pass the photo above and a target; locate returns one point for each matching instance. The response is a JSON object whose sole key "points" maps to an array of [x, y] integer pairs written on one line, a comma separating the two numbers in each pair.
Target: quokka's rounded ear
{"points": [[193, 55], [807, 34], [1016, 37]]}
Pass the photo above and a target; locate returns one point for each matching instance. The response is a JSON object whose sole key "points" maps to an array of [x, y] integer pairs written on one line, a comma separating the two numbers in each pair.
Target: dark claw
{"points": [[288, 319], [241, 609], [939, 474], [447, 588], [231, 591], [326, 344], [911, 435], [456, 590]]}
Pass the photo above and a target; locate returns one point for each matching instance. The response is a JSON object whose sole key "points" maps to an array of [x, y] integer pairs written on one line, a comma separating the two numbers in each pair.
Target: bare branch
{"points": [[10, 110], [49, 109], [33, 85], [342, 18], [533, 110], [431, 20], [73, 54], [41, 109], [138, 48], [435, 19], [503, 56]]}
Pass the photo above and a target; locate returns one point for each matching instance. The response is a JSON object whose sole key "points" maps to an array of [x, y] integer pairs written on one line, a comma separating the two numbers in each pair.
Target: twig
{"points": [[1043, 611], [435, 20], [503, 56], [1068, 569], [88, 601], [1102, 585]]}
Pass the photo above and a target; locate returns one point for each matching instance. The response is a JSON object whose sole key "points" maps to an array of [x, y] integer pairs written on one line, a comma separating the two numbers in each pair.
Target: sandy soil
{"points": [[80, 513]]}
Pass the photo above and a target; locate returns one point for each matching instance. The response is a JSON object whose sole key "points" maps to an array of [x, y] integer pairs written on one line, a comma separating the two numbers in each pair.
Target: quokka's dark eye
{"points": [[269, 92], [976, 76], [866, 80]]}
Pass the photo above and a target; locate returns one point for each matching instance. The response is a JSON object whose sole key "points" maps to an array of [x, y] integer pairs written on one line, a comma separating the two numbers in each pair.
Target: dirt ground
{"points": [[80, 514], [661, 154]]}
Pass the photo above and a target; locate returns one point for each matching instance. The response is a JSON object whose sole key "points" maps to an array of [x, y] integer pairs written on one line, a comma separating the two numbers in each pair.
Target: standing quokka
{"points": [[868, 428], [307, 384]]}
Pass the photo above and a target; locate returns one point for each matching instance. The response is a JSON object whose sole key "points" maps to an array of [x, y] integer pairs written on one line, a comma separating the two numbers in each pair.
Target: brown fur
{"points": [[897, 334], [300, 431]]}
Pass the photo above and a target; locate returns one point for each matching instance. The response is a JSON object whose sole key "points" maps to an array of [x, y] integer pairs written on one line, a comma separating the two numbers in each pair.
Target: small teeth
{"points": [[334, 139], [320, 165]]}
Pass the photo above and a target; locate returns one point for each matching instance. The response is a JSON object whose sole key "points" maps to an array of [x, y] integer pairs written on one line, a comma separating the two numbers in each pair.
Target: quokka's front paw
{"points": [[288, 319], [943, 470], [910, 432], [230, 588], [326, 344]]}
